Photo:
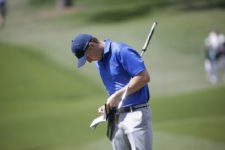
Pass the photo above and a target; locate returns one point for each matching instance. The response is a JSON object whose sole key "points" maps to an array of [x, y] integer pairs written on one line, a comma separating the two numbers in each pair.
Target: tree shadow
{"points": [[120, 14], [189, 5]]}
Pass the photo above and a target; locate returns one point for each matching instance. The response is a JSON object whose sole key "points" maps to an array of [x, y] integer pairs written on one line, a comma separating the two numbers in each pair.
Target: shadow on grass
{"points": [[201, 5], [120, 14], [130, 11]]}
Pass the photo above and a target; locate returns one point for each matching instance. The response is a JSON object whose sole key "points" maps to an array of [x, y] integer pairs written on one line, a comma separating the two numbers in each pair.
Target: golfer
{"points": [[215, 55], [3, 11], [119, 64]]}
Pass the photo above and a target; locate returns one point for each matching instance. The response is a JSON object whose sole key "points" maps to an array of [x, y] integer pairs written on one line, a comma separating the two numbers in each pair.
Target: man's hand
{"points": [[101, 110], [104, 109], [113, 100]]}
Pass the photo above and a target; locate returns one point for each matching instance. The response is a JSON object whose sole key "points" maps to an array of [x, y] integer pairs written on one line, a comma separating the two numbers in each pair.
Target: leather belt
{"points": [[132, 108]]}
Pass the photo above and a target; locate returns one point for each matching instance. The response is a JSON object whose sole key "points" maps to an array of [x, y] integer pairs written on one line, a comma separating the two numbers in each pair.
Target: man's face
{"points": [[92, 52]]}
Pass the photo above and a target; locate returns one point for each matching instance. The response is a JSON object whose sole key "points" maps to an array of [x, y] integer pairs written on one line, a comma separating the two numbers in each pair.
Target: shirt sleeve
{"points": [[131, 61]]}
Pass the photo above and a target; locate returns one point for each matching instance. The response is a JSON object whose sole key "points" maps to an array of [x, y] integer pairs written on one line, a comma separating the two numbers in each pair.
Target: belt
{"points": [[132, 108]]}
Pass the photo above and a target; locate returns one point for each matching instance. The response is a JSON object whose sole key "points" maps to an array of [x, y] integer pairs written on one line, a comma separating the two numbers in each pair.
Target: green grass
{"points": [[46, 104], [36, 117], [23, 76], [198, 114], [42, 103], [202, 103]]}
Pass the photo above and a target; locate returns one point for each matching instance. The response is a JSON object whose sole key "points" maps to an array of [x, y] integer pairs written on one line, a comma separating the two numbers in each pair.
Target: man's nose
{"points": [[89, 60]]}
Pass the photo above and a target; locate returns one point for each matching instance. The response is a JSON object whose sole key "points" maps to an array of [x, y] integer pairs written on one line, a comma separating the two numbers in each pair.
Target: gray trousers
{"points": [[133, 131]]}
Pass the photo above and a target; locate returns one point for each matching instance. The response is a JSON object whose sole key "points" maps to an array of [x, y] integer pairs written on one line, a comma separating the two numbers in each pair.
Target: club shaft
{"points": [[148, 38]]}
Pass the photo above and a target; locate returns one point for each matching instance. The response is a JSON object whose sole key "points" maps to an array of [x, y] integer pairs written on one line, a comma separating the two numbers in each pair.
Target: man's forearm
{"points": [[134, 85], [138, 82]]}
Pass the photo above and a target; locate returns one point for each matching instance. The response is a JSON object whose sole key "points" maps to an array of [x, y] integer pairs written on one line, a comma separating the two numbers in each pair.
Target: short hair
{"points": [[94, 39]]}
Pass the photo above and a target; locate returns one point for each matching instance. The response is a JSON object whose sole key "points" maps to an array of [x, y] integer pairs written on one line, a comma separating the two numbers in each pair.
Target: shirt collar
{"points": [[107, 46]]}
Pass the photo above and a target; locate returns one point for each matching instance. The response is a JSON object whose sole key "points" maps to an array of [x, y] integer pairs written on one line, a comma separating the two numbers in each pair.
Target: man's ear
{"points": [[92, 44]]}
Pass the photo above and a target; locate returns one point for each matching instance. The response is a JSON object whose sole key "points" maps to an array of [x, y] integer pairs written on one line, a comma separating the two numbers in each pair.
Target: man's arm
{"points": [[136, 83]]}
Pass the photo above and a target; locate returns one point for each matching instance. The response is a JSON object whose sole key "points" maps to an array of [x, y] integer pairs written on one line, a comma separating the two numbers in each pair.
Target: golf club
{"points": [[142, 52]]}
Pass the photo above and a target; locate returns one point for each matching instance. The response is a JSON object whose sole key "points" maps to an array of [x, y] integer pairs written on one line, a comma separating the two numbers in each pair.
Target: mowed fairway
{"points": [[48, 104], [195, 120]]}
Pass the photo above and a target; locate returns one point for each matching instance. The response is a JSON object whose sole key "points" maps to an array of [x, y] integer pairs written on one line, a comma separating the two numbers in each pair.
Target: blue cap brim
{"points": [[81, 61]]}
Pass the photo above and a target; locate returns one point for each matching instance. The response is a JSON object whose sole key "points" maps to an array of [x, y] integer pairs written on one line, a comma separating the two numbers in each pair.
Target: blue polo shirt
{"points": [[119, 64]]}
